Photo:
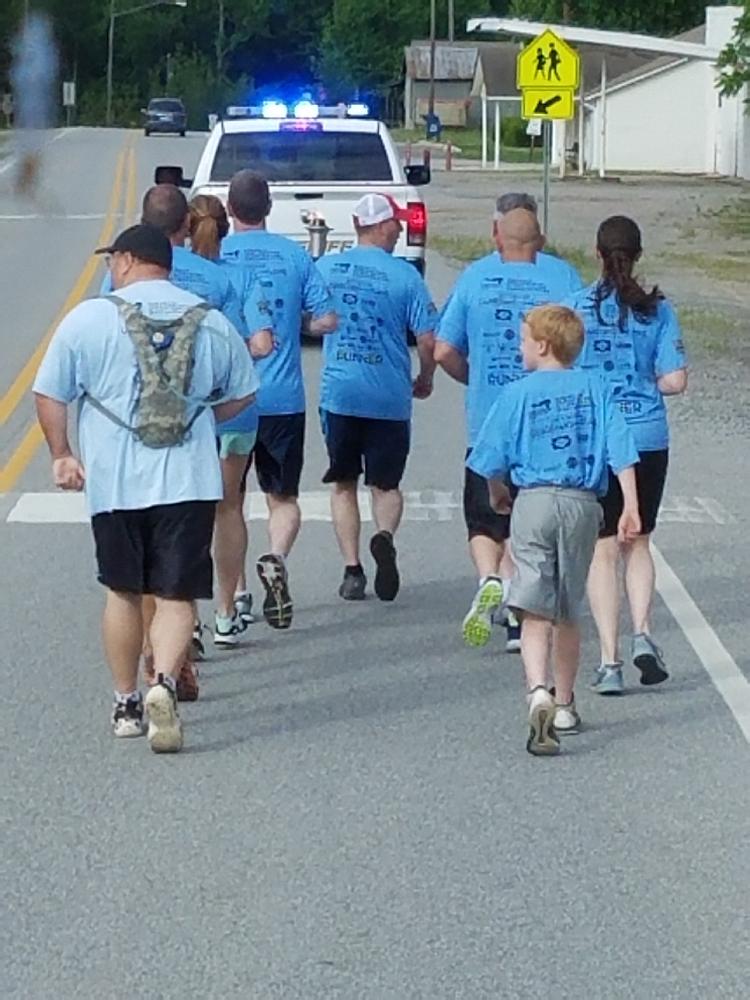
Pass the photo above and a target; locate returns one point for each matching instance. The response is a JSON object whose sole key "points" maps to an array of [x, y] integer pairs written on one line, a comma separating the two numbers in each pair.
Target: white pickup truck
{"points": [[318, 166]]}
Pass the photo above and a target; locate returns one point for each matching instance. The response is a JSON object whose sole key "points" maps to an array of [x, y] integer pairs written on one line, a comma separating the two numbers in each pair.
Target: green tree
{"points": [[735, 59], [363, 40], [658, 17]]}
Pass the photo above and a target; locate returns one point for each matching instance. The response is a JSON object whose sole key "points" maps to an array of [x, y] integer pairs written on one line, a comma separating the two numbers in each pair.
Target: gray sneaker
{"points": [[649, 659], [608, 680], [567, 719]]}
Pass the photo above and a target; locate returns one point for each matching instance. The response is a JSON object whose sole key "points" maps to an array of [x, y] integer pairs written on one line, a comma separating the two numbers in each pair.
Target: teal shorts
{"points": [[236, 443]]}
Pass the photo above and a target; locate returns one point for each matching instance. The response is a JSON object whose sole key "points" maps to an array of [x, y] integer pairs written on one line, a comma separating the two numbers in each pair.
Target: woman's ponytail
{"points": [[619, 245]]}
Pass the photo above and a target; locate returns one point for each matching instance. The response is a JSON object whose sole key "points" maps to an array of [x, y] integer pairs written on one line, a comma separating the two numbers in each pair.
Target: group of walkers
{"points": [[188, 371]]}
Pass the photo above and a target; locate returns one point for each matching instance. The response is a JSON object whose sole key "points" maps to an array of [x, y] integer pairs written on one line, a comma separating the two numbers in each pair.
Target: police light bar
{"points": [[306, 109], [302, 111], [274, 109]]}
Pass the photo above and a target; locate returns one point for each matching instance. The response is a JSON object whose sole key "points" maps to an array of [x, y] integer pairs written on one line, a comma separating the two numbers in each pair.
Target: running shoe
{"points": [[512, 633], [227, 631], [353, 585], [649, 659], [608, 680], [127, 718], [164, 725], [197, 649], [243, 605], [387, 581], [567, 719], [543, 740], [477, 626], [277, 606], [187, 682]]}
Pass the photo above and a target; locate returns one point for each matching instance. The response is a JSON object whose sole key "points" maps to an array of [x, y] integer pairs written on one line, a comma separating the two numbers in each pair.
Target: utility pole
{"points": [[431, 101], [110, 59], [220, 44], [451, 20]]}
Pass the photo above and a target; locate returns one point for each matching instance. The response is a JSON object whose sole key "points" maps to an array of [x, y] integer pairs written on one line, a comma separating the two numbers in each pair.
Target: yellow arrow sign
{"points": [[548, 63], [547, 104]]}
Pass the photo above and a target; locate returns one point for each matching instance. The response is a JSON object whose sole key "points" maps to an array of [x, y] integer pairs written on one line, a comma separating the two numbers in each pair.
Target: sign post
{"points": [[548, 72], [69, 99]]}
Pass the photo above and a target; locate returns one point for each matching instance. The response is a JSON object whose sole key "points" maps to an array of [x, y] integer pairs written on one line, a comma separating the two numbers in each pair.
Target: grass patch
{"points": [[581, 260], [734, 218], [712, 333], [728, 267], [469, 141], [463, 248]]}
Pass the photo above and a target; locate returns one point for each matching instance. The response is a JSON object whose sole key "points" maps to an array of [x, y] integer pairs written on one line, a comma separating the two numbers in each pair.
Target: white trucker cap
{"points": [[375, 208]]}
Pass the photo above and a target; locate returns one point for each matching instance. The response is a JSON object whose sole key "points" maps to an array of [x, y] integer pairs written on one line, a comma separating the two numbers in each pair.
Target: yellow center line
{"points": [[129, 216], [23, 454]]}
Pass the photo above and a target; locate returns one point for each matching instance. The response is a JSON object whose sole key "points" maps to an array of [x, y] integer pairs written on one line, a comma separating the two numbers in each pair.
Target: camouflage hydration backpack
{"points": [[165, 353]]}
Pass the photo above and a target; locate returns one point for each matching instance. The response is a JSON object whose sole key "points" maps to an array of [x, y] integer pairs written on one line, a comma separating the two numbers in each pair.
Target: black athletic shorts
{"points": [[278, 454], [163, 550], [481, 519], [650, 476], [381, 447]]}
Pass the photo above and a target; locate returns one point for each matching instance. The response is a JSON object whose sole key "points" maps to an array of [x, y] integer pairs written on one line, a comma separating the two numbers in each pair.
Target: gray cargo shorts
{"points": [[553, 532]]}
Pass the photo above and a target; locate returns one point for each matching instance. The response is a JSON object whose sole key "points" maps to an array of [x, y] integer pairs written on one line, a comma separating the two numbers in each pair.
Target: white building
{"points": [[665, 116], [669, 115]]}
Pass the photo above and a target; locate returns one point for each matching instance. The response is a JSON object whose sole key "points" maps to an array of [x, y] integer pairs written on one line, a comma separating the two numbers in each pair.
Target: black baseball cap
{"points": [[145, 242]]}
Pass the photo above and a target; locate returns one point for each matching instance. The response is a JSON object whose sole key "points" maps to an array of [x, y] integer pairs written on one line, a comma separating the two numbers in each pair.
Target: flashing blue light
{"points": [[274, 109], [358, 110], [306, 109]]}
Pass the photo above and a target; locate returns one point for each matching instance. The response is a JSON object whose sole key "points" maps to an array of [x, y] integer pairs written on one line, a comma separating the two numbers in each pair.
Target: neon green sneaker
{"points": [[477, 626]]}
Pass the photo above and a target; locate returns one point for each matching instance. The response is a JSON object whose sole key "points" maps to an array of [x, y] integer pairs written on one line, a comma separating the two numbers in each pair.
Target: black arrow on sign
{"points": [[543, 107]]}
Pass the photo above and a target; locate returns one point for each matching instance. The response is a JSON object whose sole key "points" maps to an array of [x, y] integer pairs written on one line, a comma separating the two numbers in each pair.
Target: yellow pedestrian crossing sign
{"points": [[547, 104], [548, 63]]}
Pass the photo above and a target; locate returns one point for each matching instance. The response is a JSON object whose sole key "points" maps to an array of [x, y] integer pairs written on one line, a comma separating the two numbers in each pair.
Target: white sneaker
{"points": [[164, 725], [477, 625], [127, 719], [567, 719], [227, 631], [543, 740]]}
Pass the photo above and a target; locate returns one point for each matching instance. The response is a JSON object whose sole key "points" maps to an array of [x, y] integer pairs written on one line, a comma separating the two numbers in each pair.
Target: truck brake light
{"points": [[416, 224]]}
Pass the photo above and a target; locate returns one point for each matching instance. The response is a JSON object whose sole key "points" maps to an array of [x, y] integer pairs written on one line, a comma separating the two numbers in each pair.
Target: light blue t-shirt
{"points": [[203, 278], [256, 317], [367, 366], [554, 428], [92, 354], [632, 358], [483, 320], [291, 286]]}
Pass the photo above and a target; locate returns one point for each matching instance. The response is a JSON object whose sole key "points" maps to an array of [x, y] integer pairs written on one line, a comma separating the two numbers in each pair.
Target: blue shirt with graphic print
{"points": [[557, 427], [483, 321], [632, 353], [291, 286], [379, 298]]}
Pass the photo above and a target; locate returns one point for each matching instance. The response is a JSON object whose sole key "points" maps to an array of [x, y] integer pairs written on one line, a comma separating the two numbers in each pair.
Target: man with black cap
{"points": [[152, 368]]}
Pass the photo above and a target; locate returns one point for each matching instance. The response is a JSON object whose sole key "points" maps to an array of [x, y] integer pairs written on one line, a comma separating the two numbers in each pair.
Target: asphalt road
{"points": [[354, 815]]}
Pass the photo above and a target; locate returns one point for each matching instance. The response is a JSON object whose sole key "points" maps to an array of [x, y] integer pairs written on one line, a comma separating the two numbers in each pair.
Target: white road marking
{"points": [[53, 217], [718, 663], [693, 510], [419, 505]]}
